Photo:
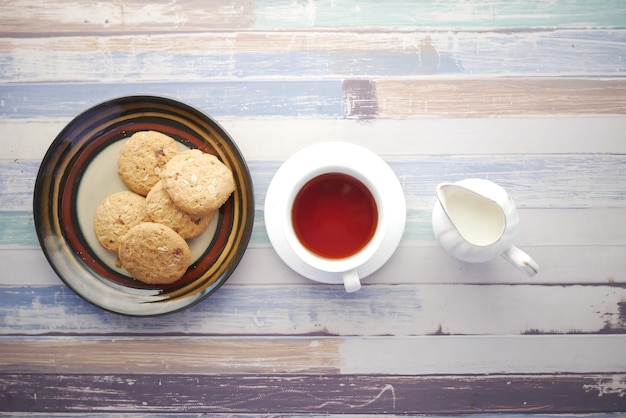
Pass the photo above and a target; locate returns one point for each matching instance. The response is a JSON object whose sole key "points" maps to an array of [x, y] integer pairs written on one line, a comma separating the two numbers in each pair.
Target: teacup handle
{"points": [[351, 281], [521, 260]]}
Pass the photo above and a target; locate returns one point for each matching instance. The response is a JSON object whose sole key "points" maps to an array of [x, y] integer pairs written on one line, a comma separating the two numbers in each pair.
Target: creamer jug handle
{"points": [[521, 260]]}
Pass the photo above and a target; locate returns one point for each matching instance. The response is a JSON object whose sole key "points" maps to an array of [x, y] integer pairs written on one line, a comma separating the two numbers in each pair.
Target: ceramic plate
{"points": [[345, 156], [80, 170]]}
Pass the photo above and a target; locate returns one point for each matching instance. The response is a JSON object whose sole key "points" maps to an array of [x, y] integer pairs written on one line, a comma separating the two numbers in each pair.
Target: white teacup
{"points": [[351, 167]]}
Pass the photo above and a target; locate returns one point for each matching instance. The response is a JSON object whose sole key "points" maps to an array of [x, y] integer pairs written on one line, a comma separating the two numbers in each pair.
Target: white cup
{"points": [[360, 164], [347, 266]]}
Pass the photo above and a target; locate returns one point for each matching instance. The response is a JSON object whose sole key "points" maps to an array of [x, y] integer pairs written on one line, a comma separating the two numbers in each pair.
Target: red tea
{"points": [[334, 215]]}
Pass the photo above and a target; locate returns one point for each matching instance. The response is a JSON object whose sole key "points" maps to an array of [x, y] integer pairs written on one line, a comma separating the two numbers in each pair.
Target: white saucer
{"points": [[328, 157]]}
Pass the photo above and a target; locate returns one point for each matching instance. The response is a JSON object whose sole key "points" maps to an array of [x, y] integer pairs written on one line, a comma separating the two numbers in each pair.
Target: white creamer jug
{"points": [[475, 220]]}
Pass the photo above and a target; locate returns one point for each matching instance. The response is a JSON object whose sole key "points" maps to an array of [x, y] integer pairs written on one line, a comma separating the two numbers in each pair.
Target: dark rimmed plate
{"points": [[80, 169]]}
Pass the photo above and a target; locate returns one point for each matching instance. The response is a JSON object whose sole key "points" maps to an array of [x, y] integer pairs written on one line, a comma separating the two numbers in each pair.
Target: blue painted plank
{"points": [[256, 309], [112, 66], [246, 98], [328, 310], [17, 182], [452, 14]]}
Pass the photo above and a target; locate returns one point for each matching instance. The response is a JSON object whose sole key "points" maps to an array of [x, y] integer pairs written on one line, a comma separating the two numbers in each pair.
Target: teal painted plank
{"points": [[17, 229], [245, 98], [450, 14]]}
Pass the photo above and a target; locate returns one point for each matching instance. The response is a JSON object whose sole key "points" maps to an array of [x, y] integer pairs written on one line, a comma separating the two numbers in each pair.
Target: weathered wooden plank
{"points": [[17, 229], [485, 44], [22, 17], [433, 355], [574, 180], [303, 394], [334, 99], [295, 415], [278, 138], [483, 354], [179, 355], [304, 415], [293, 55], [474, 14], [323, 98], [400, 310], [462, 42], [540, 227], [66, 17], [560, 264], [497, 97]]}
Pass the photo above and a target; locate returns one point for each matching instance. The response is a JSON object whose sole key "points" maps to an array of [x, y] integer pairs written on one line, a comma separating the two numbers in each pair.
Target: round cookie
{"points": [[142, 158], [116, 215], [197, 182], [161, 209], [154, 253]]}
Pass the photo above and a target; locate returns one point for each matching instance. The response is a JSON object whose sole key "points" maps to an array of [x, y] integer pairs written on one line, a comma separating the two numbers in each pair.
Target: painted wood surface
{"points": [[295, 54], [362, 99], [379, 310], [310, 394], [528, 94], [194, 15]]}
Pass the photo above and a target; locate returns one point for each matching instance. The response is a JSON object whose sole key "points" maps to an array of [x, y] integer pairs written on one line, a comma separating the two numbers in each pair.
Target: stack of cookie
{"points": [[173, 196]]}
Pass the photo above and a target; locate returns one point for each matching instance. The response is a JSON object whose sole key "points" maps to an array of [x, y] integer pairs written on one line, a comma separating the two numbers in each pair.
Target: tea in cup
{"points": [[335, 213]]}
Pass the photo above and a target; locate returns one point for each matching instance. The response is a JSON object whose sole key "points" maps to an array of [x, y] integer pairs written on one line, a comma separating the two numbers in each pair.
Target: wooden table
{"points": [[531, 95]]}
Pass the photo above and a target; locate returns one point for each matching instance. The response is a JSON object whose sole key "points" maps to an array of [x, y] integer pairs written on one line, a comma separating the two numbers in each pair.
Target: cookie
{"points": [[154, 253], [161, 209], [116, 215], [197, 182], [142, 158]]}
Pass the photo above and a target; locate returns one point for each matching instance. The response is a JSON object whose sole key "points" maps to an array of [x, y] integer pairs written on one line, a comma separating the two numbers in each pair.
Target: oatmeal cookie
{"points": [[161, 209], [142, 158], [197, 182], [154, 253], [116, 215]]}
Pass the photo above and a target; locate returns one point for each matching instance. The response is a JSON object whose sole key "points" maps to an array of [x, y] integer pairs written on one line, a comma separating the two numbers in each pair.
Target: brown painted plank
{"points": [[129, 16], [490, 97], [171, 355], [275, 393], [432, 355]]}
